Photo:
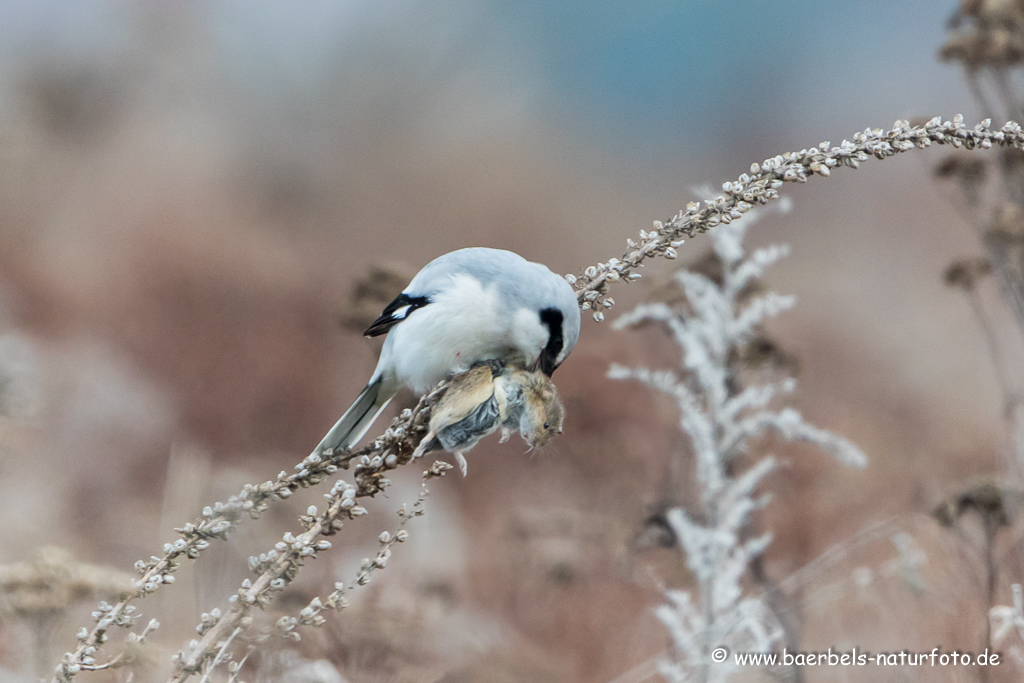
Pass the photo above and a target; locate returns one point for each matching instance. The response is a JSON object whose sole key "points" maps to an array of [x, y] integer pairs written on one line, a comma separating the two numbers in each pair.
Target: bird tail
{"points": [[358, 418]]}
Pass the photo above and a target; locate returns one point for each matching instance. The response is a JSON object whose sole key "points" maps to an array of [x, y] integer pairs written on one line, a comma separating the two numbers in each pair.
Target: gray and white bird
{"points": [[462, 308]]}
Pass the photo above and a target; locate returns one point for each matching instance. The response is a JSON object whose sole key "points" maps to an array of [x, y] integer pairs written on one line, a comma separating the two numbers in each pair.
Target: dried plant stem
{"points": [[995, 353], [274, 574], [276, 569], [1011, 397], [971, 76], [392, 449], [112, 664], [310, 615], [235, 668], [763, 182], [1009, 281], [835, 554], [221, 654], [396, 445]]}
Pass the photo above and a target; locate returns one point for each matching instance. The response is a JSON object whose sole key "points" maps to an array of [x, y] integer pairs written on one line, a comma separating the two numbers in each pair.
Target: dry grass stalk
{"points": [[393, 448], [277, 568], [762, 185]]}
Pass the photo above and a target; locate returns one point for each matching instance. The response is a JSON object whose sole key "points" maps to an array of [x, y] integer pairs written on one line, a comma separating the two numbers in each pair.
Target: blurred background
{"points": [[191, 193]]}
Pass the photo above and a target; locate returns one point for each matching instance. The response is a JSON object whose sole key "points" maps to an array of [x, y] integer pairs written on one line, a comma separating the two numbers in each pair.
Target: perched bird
{"points": [[490, 396], [467, 306]]}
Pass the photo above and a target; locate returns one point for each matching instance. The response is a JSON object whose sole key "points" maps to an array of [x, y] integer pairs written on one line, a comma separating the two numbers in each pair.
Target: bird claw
{"points": [[505, 434]]}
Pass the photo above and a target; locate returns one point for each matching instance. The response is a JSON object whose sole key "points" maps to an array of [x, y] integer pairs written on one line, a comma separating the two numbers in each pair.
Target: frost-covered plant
{"points": [[1005, 619], [720, 418]]}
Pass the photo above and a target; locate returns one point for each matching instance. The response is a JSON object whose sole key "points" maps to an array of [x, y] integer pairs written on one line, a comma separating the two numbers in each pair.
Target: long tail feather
{"points": [[357, 419]]}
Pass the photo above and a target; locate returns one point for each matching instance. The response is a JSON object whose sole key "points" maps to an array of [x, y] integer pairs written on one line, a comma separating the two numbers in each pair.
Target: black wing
{"points": [[395, 312]]}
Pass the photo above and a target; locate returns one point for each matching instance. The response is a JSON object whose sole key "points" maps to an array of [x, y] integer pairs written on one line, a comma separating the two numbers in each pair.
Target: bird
{"points": [[466, 306], [489, 396]]}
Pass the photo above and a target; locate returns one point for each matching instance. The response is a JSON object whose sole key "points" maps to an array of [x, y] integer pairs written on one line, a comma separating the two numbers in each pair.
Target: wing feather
{"points": [[395, 312]]}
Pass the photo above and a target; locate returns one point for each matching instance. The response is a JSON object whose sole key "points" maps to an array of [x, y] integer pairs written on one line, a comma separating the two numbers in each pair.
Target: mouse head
{"points": [[543, 412]]}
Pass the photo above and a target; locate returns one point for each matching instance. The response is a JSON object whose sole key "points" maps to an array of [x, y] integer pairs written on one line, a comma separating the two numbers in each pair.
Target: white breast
{"points": [[463, 324]]}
